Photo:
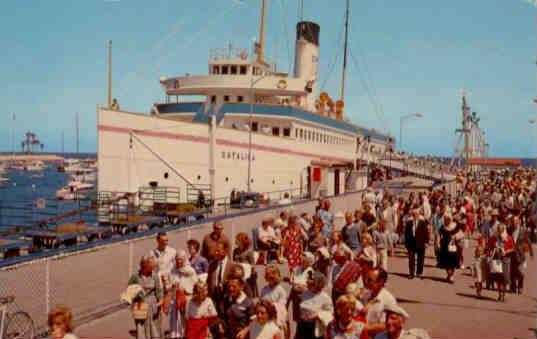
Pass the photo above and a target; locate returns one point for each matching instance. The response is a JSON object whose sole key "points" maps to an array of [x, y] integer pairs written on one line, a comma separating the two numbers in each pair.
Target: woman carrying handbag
{"points": [[146, 306], [501, 247]]}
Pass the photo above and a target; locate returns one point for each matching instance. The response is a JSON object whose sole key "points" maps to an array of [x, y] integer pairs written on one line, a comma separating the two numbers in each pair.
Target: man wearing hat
{"points": [[395, 320]]}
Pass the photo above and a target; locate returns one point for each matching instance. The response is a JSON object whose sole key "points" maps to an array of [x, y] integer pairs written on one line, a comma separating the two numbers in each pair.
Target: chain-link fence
{"points": [[92, 280]]}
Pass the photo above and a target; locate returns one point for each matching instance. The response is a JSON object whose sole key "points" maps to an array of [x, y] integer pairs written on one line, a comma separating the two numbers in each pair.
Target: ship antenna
{"points": [[261, 51], [110, 74], [344, 76], [301, 10]]}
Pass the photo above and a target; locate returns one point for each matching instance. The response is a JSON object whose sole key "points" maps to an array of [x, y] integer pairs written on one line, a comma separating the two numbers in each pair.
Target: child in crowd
{"points": [[60, 323], [382, 242], [276, 294], [200, 311]]}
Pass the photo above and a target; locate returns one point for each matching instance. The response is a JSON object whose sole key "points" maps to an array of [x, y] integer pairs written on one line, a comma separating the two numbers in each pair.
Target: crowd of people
{"points": [[325, 279]]}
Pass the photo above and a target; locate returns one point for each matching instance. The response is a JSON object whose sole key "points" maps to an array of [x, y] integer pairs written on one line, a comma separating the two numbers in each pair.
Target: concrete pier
{"points": [[29, 157]]}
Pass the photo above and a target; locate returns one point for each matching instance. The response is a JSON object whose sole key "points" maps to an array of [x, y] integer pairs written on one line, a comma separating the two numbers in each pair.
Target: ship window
{"points": [[301, 134], [216, 70], [233, 69], [296, 133], [240, 98], [309, 135], [226, 98], [324, 138], [255, 126], [225, 69], [275, 131], [257, 71], [166, 175], [213, 99], [286, 132], [242, 70]]}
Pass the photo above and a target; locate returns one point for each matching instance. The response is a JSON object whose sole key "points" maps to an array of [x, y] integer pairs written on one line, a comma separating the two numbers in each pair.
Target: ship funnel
{"points": [[307, 58]]}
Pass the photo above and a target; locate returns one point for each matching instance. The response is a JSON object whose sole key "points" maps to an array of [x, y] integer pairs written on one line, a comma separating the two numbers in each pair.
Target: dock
{"points": [[29, 157]]}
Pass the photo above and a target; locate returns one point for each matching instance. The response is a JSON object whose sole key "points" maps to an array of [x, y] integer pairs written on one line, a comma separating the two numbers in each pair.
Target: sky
{"points": [[405, 57]]}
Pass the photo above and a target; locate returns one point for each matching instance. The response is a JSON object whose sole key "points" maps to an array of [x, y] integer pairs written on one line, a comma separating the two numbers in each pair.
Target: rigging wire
{"points": [[369, 92], [368, 84], [331, 66]]}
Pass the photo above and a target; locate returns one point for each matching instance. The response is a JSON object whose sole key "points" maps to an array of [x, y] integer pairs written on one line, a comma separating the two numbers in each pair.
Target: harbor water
{"points": [[29, 198]]}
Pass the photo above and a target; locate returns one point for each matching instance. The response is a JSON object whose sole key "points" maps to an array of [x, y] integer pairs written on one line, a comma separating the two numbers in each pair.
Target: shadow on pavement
{"points": [[474, 296]]}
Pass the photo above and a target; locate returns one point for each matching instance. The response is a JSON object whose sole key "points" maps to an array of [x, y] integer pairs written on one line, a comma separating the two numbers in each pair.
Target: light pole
{"points": [[401, 120], [533, 122], [252, 99]]}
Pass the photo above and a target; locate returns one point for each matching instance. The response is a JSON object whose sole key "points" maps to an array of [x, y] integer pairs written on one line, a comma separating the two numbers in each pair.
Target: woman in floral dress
{"points": [[293, 242]]}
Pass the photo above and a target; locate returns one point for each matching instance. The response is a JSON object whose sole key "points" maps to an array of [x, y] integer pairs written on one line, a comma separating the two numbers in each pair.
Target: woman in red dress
{"points": [[293, 243]]}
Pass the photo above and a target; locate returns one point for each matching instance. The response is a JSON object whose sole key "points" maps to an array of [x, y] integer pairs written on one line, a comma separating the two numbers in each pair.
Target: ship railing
{"points": [[229, 205]]}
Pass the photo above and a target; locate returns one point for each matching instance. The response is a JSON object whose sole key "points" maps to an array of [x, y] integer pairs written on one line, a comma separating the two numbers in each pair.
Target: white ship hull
{"points": [[278, 164]]}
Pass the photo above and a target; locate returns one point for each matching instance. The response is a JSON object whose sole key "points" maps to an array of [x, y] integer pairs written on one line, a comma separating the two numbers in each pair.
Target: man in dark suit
{"points": [[416, 239], [218, 273]]}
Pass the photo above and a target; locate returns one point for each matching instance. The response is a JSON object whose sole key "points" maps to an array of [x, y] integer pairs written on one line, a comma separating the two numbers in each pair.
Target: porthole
{"points": [[273, 182], [166, 175], [199, 177], [227, 179]]}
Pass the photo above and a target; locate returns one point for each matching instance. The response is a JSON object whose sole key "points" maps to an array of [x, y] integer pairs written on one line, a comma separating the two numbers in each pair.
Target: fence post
{"points": [[131, 250], [47, 285]]}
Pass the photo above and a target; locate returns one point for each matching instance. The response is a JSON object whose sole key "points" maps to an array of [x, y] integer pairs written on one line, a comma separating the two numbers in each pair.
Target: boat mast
{"points": [[77, 134], [345, 46], [110, 74], [261, 50]]}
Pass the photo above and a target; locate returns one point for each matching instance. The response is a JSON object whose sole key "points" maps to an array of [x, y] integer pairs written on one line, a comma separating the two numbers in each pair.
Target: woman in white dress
{"points": [[182, 279], [264, 324]]}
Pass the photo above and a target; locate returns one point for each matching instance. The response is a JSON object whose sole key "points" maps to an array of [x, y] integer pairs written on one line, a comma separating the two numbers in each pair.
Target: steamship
{"points": [[257, 130]]}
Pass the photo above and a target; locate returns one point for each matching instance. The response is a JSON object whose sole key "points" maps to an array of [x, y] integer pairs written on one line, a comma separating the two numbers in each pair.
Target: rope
{"points": [[161, 159], [369, 85], [376, 107], [335, 60]]}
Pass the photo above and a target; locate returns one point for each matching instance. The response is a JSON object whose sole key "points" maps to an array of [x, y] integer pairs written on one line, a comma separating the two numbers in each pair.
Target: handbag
{"points": [[495, 265], [452, 247], [140, 310]]}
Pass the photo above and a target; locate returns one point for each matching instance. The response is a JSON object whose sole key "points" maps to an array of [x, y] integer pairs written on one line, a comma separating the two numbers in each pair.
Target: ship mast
{"points": [[110, 74], [261, 50], [345, 46]]}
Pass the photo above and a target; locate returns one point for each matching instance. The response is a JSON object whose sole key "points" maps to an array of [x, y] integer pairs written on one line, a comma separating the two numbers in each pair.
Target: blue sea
{"points": [[21, 199]]}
